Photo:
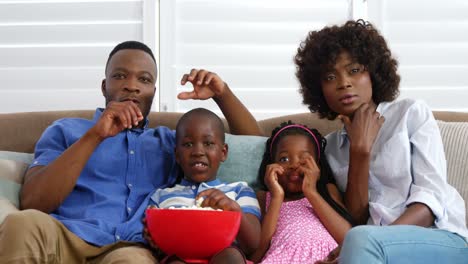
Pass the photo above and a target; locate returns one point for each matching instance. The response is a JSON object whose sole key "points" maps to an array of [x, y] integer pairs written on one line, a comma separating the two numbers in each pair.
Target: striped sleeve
{"points": [[246, 198]]}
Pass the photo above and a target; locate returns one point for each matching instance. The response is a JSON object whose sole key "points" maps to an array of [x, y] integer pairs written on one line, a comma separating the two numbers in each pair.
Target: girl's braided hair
{"points": [[326, 175]]}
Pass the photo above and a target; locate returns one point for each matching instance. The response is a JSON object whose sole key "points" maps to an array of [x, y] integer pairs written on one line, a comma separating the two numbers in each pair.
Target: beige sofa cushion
{"points": [[455, 138]]}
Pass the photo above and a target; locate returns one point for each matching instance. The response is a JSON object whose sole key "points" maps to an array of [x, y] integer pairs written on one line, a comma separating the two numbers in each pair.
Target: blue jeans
{"points": [[402, 244]]}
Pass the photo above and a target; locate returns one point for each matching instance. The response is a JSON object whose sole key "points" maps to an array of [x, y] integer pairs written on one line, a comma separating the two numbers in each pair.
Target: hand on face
{"points": [[116, 117], [205, 85], [308, 167], [216, 199], [273, 171], [363, 128]]}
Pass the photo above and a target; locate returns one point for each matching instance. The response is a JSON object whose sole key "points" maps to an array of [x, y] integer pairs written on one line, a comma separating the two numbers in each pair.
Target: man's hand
{"points": [[216, 199], [116, 117], [271, 180], [205, 85]]}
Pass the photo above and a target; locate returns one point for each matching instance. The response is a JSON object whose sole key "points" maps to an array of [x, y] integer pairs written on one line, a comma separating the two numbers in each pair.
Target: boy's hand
{"points": [[216, 199], [116, 117], [205, 85], [146, 234], [308, 167], [271, 180]]}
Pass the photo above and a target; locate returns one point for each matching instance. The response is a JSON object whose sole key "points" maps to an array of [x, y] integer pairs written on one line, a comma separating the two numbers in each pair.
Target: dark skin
{"points": [[199, 151], [129, 89], [362, 123]]}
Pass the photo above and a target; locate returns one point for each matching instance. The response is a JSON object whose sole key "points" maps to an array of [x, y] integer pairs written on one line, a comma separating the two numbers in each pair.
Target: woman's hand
{"points": [[273, 171], [363, 128]]}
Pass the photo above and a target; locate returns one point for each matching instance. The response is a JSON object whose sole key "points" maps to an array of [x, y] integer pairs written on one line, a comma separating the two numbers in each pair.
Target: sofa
{"points": [[20, 131]]}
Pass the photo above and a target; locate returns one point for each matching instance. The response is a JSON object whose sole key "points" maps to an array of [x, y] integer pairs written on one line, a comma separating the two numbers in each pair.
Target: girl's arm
{"points": [[270, 218], [336, 225]]}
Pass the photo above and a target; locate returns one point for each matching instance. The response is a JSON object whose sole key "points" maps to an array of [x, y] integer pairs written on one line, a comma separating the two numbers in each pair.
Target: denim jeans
{"points": [[401, 244]]}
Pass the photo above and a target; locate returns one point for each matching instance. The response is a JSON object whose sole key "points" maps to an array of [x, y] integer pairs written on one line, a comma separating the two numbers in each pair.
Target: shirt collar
{"points": [[98, 115], [212, 183]]}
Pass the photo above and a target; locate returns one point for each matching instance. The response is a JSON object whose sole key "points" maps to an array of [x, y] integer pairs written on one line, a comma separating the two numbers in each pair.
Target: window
{"points": [[53, 52], [251, 45]]}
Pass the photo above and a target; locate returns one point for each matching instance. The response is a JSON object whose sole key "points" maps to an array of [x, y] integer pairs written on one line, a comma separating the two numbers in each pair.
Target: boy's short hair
{"points": [[215, 119], [364, 43], [131, 44]]}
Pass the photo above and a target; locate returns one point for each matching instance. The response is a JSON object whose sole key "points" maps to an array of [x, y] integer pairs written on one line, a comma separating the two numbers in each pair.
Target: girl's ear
{"points": [[224, 152]]}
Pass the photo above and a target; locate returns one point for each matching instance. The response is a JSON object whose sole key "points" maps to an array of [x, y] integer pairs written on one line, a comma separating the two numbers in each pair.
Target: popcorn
{"points": [[196, 206]]}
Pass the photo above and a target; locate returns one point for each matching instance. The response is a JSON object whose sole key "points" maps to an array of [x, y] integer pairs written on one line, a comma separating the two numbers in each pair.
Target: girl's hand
{"points": [[206, 85], [308, 167], [271, 180], [332, 257], [363, 128], [216, 199]]}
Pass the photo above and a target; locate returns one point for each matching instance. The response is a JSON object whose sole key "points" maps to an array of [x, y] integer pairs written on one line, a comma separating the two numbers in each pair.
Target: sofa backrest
{"points": [[20, 131]]}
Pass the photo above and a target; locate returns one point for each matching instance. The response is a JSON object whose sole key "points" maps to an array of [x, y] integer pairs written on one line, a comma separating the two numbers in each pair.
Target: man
{"points": [[94, 177]]}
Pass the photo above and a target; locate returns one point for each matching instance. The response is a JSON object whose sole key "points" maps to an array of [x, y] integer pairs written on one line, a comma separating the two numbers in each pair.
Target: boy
{"points": [[200, 148]]}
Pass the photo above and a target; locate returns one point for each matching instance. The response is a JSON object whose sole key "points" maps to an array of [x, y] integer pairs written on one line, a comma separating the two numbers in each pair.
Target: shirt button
{"points": [[130, 185], [132, 152], [129, 209], [117, 236], [194, 187], [35, 162]]}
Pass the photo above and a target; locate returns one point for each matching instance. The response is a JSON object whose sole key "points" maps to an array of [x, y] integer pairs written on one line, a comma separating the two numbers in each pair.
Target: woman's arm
{"points": [[270, 219], [362, 131], [416, 214]]}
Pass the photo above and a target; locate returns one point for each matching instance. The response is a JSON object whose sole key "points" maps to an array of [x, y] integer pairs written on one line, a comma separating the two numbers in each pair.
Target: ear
{"points": [[224, 152], [103, 87]]}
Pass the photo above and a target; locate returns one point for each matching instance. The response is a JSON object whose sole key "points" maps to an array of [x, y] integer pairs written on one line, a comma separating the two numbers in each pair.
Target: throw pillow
{"points": [[244, 158], [13, 165]]}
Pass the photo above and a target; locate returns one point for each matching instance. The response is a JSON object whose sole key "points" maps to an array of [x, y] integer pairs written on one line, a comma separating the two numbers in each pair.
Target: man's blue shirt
{"points": [[113, 190]]}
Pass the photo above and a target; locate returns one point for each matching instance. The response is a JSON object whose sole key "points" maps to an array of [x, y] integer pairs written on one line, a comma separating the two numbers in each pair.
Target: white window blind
{"points": [[430, 40], [53, 53], [250, 44]]}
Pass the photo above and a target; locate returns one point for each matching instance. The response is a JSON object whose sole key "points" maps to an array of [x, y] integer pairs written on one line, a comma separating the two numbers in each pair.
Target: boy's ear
{"points": [[224, 151], [103, 87]]}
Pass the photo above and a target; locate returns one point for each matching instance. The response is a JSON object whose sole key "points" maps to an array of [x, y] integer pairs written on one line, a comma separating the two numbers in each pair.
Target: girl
{"points": [[303, 215], [389, 158]]}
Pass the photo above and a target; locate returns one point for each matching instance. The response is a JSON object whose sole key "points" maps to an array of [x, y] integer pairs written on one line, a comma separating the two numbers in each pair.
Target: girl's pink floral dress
{"points": [[300, 237]]}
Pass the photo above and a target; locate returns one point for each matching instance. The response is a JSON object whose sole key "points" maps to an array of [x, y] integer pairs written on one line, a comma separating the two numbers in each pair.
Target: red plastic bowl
{"points": [[192, 234]]}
